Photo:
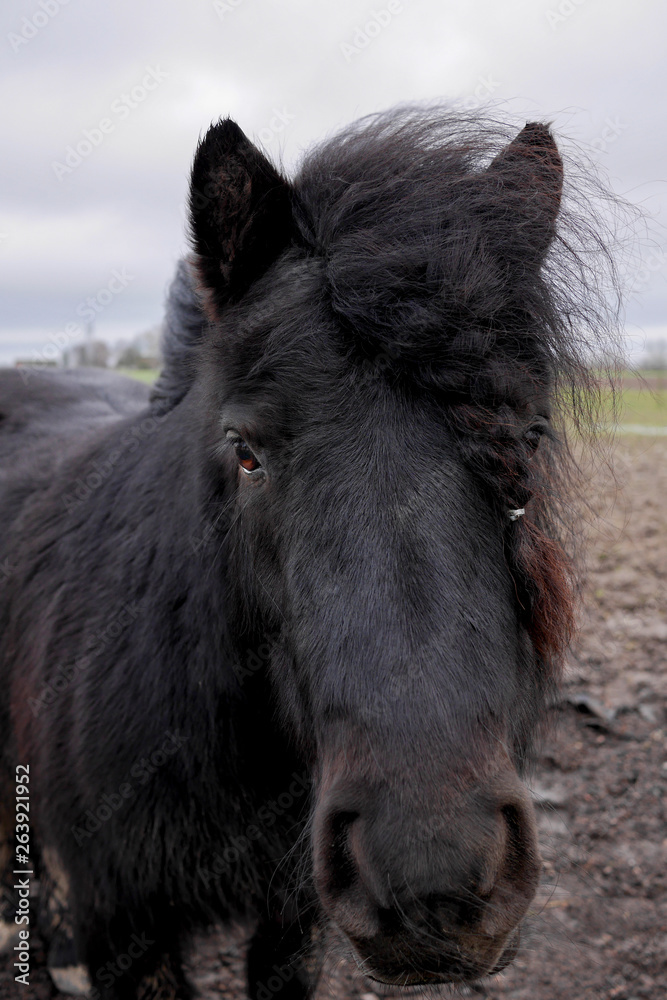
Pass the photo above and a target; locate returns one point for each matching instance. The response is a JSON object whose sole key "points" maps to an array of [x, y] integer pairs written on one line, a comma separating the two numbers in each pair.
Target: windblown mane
{"points": [[182, 333]]}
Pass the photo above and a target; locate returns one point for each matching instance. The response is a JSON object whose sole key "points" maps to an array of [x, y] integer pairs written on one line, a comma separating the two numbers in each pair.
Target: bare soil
{"points": [[598, 928]]}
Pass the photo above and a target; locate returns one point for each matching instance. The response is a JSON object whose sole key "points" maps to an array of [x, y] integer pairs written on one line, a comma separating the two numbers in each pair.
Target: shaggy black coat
{"points": [[392, 331]]}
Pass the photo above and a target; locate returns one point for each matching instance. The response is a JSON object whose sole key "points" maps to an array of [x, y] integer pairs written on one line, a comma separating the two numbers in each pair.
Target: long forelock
{"points": [[401, 209]]}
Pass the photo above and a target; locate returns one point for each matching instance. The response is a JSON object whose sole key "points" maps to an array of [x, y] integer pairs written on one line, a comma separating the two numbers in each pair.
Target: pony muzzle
{"points": [[439, 902]]}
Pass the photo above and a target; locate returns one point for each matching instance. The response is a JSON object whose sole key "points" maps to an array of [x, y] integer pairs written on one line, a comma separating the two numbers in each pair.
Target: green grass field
{"points": [[147, 375], [643, 406]]}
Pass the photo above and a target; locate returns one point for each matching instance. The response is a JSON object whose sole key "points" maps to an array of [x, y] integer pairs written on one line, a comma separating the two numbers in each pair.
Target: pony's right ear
{"points": [[240, 213], [528, 174]]}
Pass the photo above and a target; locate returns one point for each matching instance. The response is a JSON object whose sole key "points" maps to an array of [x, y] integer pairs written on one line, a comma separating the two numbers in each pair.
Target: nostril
{"points": [[519, 852], [341, 870], [517, 874], [514, 836], [344, 880]]}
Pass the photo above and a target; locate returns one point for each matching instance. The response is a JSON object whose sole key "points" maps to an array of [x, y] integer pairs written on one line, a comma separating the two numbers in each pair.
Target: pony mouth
{"points": [[451, 972], [412, 981], [508, 954]]}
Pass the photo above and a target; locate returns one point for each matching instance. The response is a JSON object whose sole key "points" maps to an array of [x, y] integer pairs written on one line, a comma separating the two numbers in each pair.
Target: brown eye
{"points": [[248, 462]]}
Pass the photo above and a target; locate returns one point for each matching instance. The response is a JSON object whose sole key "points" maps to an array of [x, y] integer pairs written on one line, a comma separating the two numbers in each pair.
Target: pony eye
{"points": [[246, 458], [533, 436], [248, 462]]}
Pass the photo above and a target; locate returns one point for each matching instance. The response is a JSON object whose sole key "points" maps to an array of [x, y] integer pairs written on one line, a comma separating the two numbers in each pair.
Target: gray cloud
{"points": [[159, 72]]}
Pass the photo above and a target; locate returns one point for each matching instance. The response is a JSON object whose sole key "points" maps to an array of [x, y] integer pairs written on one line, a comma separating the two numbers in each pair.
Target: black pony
{"points": [[276, 638]]}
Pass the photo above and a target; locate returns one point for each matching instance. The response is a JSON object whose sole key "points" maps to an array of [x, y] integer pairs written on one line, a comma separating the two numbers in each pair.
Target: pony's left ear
{"points": [[529, 172], [240, 213]]}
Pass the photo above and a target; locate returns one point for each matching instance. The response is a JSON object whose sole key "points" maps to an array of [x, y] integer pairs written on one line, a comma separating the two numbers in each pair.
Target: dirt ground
{"points": [[598, 928]]}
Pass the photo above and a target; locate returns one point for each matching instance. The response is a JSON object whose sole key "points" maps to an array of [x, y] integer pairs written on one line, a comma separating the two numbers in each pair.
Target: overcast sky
{"points": [[132, 84]]}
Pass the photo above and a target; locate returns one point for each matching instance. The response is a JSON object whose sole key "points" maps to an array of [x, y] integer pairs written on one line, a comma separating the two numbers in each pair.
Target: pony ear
{"points": [[240, 213], [529, 172]]}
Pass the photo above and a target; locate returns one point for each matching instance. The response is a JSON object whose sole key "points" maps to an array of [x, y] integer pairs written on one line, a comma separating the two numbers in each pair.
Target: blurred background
{"points": [[103, 104]]}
